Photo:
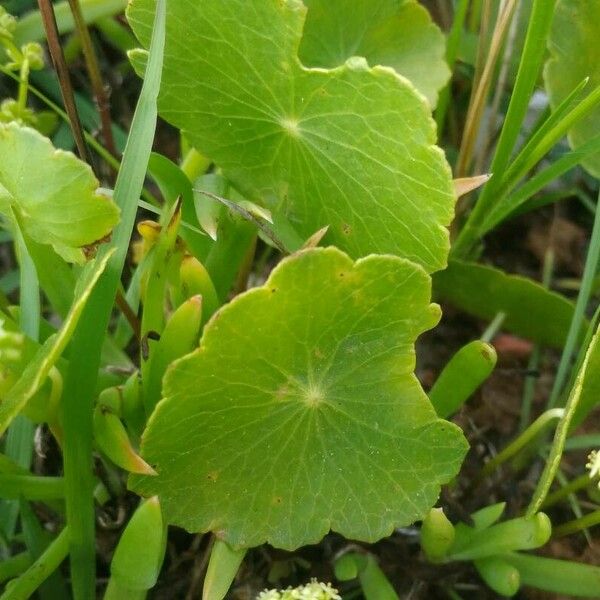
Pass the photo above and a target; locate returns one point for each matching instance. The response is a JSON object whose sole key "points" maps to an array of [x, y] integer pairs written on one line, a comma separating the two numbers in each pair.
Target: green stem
{"points": [[14, 566], [534, 360], [580, 483], [492, 329], [93, 69], [31, 487], [587, 281], [23, 86], [560, 436], [521, 441], [194, 164], [40, 570], [576, 525]]}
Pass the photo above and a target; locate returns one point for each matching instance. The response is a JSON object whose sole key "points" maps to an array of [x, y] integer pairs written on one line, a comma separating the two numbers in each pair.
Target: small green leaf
{"points": [[394, 33], [179, 337], [195, 281], [51, 194], [139, 555], [111, 436], [487, 516], [352, 147], [574, 46], [531, 310], [437, 534], [525, 533], [38, 368], [461, 377], [222, 568], [300, 412], [375, 585], [562, 577], [500, 575]]}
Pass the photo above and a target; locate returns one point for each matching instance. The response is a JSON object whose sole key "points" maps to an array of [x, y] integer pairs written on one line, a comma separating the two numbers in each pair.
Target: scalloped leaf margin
{"points": [[300, 411], [352, 148]]}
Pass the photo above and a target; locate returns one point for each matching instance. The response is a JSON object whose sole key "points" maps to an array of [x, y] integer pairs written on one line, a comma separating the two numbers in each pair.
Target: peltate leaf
{"points": [[395, 33], [300, 411], [574, 46], [352, 147], [51, 194]]}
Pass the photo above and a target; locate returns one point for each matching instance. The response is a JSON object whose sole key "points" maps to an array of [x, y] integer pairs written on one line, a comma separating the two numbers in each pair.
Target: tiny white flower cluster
{"points": [[594, 464], [315, 590]]}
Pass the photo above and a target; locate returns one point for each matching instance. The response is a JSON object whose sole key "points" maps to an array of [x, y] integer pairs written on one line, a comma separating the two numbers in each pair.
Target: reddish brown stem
{"points": [[62, 71], [98, 87]]}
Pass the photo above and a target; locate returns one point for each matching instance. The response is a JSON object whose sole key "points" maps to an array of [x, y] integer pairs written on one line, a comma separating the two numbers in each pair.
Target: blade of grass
{"points": [[14, 566], [560, 436], [580, 483], [480, 92], [574, 504], [452, 46], [37, 541], [587, 281], [530, 383], [19, 443], [544, 140], [511, 203], [529, 66], [521, 441], [31, 487], [40, 570], [86, 346]]}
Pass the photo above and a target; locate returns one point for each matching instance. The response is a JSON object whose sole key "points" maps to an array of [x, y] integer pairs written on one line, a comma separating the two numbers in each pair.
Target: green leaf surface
{"points": [[531, 310], [51, 194], [574, 46], [352, 147], [394, 33], [37, 370], [300, 411], [563, 577], [515, 534]]}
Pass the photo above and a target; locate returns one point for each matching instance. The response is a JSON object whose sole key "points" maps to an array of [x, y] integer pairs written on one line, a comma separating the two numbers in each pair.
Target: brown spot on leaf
{"points": [[89, 251]]}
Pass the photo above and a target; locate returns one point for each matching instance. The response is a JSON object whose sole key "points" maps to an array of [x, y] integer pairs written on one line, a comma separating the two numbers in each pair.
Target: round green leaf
{"points": [[574, 46], [51, 194], [300, 411], [396, 33], [352, 147]]}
